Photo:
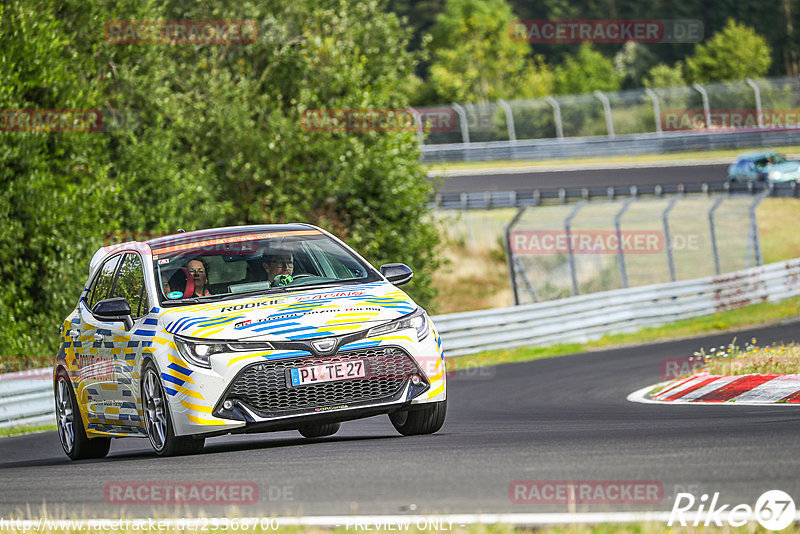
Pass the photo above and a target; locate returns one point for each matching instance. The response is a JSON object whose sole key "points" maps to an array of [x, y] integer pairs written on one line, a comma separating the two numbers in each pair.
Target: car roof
{"points": [[755, 154], [190, 237], [228, 231]]}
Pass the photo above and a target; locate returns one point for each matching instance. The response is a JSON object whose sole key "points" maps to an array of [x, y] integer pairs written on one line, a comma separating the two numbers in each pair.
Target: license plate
{"points": [[327, 372]]}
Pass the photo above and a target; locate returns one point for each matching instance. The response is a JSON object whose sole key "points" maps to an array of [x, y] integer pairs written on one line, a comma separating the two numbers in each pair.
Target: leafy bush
{"points": [[217, 140]]}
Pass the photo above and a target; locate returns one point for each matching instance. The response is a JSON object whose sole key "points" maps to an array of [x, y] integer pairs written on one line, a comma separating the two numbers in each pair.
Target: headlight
{"points": [[774, 175], [199, 352], [417, 320]]}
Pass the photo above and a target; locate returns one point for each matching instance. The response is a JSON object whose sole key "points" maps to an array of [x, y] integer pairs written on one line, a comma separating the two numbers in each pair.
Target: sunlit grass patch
{"points": [[25, 429], [734, 360]]}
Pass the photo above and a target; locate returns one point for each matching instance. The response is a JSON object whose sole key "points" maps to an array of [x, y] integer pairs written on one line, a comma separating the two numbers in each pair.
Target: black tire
{"points": [[76, 444], [158, 421], [318, 431], [426, 420]]}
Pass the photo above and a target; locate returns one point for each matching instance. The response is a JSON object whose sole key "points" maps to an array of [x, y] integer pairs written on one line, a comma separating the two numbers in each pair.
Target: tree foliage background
{"points": [[212, 137], [471, 37]]}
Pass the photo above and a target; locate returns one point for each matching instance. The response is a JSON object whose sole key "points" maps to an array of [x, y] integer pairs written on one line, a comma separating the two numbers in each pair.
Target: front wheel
{"points": [[158, 422], [71, 433], [426, 420]]}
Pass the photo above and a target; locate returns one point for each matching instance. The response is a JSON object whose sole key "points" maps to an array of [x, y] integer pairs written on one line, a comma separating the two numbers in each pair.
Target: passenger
{"points": [[198, 270]]}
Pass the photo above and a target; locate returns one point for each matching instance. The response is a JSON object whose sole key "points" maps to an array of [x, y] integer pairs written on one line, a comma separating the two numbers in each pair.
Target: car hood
{"points": [[786, 166], [297, 315]]}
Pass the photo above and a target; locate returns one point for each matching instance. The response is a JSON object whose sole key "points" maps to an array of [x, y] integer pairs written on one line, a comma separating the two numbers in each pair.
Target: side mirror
{"points": [[114, 309], [397, 273]]}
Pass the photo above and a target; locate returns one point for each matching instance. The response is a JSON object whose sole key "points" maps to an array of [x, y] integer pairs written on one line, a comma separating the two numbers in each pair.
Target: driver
{"points": [[278, 263]]}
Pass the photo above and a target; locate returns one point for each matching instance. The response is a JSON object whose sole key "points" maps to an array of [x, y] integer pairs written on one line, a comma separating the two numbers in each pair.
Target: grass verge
{"points": [[733, 360], [643, 158], [26, 429]]}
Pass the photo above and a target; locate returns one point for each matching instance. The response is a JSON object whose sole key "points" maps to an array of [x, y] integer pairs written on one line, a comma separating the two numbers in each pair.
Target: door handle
{"points": [[74, 333], [98, 337]]}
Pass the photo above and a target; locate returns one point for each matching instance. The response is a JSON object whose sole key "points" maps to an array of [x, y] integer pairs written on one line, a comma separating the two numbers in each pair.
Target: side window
{"points": [[130, 284], [103, 282]]}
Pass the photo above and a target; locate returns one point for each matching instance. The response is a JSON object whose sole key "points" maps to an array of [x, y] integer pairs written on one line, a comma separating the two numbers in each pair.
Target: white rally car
{"points": [[242, 329]]}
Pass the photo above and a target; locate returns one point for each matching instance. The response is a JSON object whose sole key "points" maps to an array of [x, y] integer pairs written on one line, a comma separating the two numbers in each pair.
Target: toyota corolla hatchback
{"points": [[242, 329]]}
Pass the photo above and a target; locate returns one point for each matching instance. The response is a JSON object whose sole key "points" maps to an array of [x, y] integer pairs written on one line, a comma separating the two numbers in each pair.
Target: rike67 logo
{"points": [[774, 510]]}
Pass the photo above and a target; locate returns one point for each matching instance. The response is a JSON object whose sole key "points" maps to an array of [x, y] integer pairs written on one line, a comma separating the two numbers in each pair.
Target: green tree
{"points": [[217, 139], [475, 57], [53, 186], [631, 63], [665, 76], [735, 53], [586, 71]]}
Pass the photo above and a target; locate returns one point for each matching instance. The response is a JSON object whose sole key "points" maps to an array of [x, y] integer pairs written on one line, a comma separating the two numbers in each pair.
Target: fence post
{"points": [[524, 275], [512, 131], [656, 108], [754, 229], [418, 122], [706, 109], [510, 253], [668, 237], [714, 250], [462, 116], [607, 110], [567, 224], [556, 115], [623, 273], [757, 94]]}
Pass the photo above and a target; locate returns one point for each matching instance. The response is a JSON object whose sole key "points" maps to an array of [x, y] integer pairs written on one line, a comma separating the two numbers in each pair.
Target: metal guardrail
{"points": [[583, 318], [27, 397], [595, 146], [536, 197]]}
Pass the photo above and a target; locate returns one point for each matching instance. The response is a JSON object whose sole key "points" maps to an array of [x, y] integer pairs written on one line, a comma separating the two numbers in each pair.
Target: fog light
{"points": [[228, 405], [415, 380]]}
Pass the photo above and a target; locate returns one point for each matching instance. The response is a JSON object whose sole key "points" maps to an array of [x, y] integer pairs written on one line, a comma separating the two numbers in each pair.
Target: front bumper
{"points": [[402, 374], [260, 391]]}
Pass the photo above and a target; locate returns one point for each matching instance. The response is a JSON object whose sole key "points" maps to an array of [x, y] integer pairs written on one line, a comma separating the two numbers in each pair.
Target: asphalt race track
{"points": [[590, 177], [555, 419]]}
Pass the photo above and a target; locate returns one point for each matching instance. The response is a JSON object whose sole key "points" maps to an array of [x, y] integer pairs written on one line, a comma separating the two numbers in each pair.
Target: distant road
{"points": [[572, 177]]}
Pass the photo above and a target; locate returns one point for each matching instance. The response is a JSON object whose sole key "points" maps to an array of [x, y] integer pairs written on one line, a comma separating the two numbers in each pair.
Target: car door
{"points": [[750, 170], [124, 346], [94, 370]]}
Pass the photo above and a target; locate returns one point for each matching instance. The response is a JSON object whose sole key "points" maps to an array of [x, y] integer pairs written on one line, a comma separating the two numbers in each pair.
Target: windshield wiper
{"points": [[326, 284], [183, 301], [233, 296]]}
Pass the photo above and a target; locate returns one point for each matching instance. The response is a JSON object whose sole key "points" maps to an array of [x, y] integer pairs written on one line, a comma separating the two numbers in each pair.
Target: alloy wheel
{"points": [[66, 416], [154, 410]]}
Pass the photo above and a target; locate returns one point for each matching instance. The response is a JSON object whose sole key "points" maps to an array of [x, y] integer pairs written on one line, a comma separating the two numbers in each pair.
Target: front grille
{"points": [[263, 386]]}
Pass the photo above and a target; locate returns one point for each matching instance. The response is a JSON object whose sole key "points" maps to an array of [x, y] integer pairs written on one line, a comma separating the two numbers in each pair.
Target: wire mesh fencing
{"points": [[749, 105], [574, 249]]}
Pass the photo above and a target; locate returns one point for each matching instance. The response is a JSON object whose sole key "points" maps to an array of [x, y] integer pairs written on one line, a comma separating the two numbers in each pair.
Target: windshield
{"points": [[226, 267]]}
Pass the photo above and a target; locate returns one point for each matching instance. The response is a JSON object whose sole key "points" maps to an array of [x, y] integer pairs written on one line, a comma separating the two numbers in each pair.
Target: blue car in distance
{"points": [[763, 167]]}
